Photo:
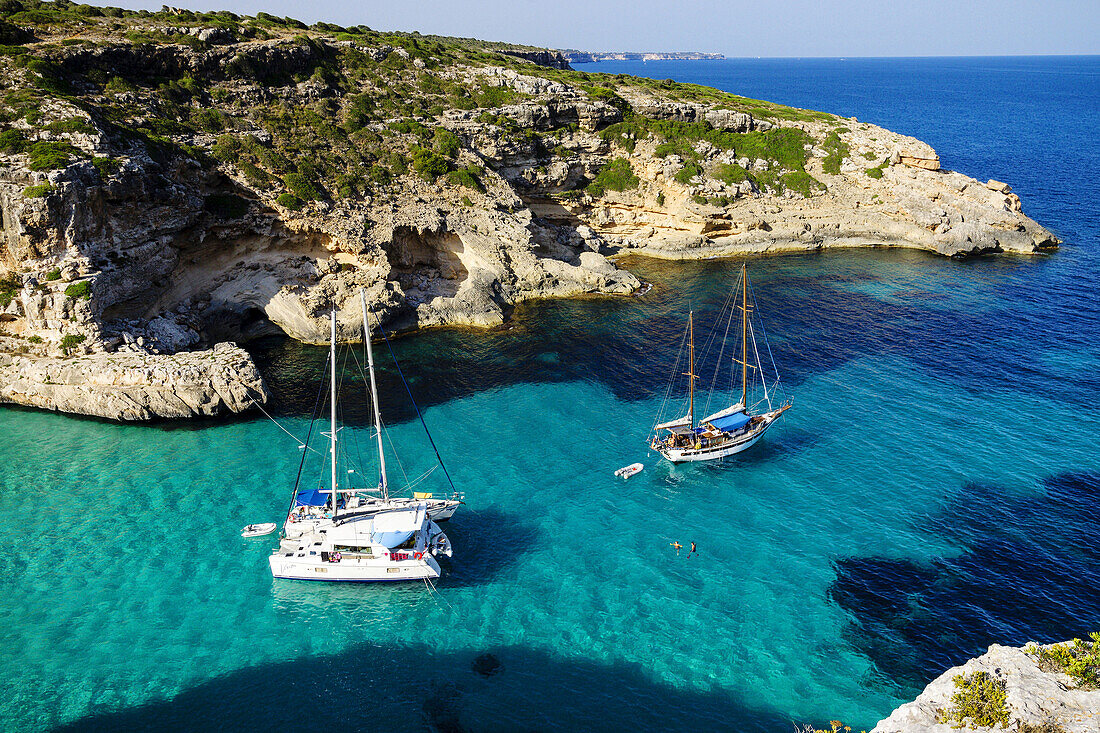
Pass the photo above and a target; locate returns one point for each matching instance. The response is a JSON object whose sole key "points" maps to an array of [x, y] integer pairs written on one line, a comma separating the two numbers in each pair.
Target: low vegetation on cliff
{"points": [[377, 103], [1077, 658], [170, 180]]}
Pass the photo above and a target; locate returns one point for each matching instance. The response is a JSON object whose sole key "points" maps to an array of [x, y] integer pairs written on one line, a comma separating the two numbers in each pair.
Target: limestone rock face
{"points": [[136, 254], [136, 386], [1032, 696]]}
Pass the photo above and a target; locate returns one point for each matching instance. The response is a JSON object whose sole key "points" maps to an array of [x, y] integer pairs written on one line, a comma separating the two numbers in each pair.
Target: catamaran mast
{"points": [[744, 335], [691, 367], [383, 484], [332, 435]]}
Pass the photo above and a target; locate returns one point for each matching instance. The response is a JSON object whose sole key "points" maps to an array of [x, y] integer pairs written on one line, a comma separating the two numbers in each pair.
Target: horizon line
{"points": [[725, 57]]}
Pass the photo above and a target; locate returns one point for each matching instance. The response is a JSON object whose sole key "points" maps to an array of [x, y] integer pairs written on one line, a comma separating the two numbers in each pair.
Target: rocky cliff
{"points": [[1009, 685], [587, 57], [173, 180]]}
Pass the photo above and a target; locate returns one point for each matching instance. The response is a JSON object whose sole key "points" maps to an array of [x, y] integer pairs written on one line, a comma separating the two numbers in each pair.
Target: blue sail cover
{"points": [[731, 422], [311, 497]]}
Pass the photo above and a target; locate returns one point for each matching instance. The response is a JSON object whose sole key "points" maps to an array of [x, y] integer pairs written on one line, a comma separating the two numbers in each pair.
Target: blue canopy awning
{"points": [[727, 423], [311, 497]]}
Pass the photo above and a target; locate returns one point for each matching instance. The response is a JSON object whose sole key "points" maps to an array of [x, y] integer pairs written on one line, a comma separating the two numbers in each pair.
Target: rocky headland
{"points": [[1010, 688], [588, 57], [173, 181]]}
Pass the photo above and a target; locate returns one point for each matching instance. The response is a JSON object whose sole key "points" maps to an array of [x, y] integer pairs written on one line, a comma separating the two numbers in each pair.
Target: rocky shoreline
{"points": [[136, 387], [1027, 697], [144, 226]]}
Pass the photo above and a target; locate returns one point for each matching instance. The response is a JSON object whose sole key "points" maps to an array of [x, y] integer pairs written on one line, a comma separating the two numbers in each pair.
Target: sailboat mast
{"points": [[691, 366], [332, 435], [384, 483], [744, 335]]}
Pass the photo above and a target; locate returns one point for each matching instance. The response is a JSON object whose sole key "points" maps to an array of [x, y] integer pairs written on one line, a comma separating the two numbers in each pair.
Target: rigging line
{"points": [[422, 476], [366, 390], [416, 407], [312, 420], [353, 437], [671, 380], [763, 381], [292, 435], [438, 595], [721, 352], [768, 346], [709, 344], [400, 465], [352, 440]]}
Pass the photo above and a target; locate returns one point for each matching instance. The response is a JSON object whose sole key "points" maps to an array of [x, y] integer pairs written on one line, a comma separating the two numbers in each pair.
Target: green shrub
{"points": [[72, 124], [661, 198], [301, 186], [681, 148], [53, 275], [412, 127], [875, 172], [869, 155], [617, 175], [428, 164], [289, 201], [118, 85], [626, 134], [9, 286], [79, 290], [1078, 659], [467, 177], [106, 167], [13, 141], [731, 173], [41, 191], [446, 142], [836, 150], [48, 156], [69, 342], [689, 171], [496, 96], [800, 181], [979, 700], [36, 339], [209, 120]]}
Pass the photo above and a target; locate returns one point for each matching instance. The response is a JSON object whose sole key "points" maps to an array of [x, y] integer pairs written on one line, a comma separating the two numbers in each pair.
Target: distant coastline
{"points": [[588, 57]]}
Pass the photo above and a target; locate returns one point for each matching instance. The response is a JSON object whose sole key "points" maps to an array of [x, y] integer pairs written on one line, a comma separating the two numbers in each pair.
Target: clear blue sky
{"points": [[758, 28]]}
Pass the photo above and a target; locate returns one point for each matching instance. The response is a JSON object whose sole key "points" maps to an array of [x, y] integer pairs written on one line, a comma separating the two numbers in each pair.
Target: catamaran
{"points": [[345, 533], [737, 426]]}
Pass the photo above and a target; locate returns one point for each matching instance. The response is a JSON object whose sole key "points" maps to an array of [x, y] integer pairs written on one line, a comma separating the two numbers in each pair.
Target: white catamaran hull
{"points": [[311, 567]]}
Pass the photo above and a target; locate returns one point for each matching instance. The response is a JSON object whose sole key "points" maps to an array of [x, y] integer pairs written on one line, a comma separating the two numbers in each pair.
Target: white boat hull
{"points": [[311, 567], [714, 452]]}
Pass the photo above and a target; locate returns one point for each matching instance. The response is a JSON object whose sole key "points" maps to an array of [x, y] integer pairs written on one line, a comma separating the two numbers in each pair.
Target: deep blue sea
{"points": [[934, 490]]}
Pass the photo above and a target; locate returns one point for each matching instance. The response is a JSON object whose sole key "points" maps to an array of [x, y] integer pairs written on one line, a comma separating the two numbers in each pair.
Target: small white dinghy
{"points": [[628, 471], [258, 530]]}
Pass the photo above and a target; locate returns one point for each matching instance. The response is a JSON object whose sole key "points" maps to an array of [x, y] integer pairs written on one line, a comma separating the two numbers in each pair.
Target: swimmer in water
{"points": [[692, 550], [678, 546]]}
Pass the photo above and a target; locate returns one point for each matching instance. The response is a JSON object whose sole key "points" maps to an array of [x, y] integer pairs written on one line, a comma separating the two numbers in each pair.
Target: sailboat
{"points": [[344, 533], [737, 426]]}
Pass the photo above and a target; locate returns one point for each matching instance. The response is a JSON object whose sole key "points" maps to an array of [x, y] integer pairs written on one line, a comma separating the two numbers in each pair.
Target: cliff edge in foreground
{"points": [[173, 180], [1010, 688]]}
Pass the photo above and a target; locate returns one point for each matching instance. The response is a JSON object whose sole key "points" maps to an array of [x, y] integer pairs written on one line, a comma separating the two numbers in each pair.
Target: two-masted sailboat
{"points": [[346, 533], [737, 426]]}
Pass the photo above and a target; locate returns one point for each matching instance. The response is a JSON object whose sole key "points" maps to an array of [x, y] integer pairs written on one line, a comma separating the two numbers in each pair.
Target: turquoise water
{"points": [[934, 489]]}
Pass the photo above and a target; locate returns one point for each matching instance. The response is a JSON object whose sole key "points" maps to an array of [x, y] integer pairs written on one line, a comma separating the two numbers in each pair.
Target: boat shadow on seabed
{"points": [[522, 689]]}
